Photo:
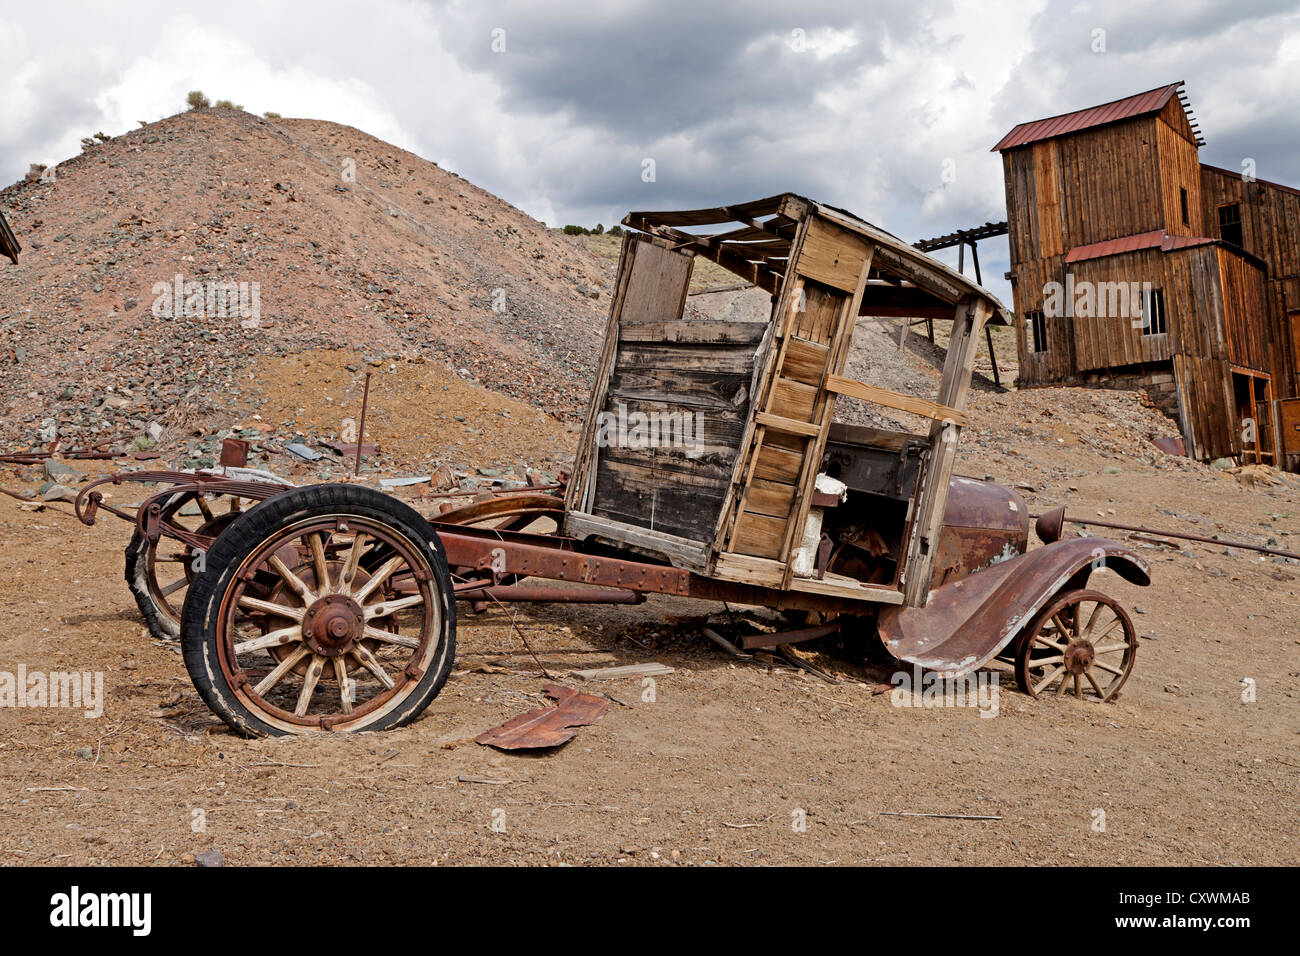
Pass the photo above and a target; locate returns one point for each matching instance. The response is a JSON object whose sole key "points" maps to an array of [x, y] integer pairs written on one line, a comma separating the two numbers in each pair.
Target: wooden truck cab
{"points": [[705, 438]]}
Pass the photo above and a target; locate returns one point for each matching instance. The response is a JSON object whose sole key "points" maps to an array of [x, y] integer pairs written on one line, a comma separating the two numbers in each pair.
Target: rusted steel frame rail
{"points": [[557, 558]]}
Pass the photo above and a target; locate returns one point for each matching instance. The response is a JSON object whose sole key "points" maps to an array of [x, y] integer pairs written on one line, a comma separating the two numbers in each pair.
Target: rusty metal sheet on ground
{"points": [[547, 726]]}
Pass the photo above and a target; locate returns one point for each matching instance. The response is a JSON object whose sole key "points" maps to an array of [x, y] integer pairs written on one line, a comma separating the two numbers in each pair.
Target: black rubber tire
{"points": [[199, 637], [161, 624]]}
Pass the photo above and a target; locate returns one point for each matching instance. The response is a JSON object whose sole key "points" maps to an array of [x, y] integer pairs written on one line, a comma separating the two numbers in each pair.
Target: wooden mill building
{"points": [[1134, 265]]}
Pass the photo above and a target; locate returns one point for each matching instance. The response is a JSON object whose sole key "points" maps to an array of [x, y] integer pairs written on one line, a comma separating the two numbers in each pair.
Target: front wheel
{"points": [[1082, 642], [328, 607]]}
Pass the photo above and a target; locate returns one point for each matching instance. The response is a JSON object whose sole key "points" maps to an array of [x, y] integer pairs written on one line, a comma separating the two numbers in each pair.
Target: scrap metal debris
{"points": [[547, 726]]}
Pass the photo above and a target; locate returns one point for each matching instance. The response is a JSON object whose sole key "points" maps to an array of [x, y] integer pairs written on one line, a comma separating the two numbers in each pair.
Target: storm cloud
{"points": [[886, 109]]}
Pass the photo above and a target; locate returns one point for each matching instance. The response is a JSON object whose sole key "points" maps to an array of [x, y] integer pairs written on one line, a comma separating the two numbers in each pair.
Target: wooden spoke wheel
{"points": [[1082, 643], [324, 608], [159, 573]]}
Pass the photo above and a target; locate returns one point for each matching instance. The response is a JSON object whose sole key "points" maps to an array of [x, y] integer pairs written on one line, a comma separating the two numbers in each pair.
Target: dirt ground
{"points": [[722, 761]]}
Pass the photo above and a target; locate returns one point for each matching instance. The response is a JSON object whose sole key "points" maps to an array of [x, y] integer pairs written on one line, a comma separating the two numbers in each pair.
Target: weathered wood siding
{"points": [[1222, 309], [1270, 228], [1111, 334], [678, 400], [1245, 310], [1080, 189], [1110, 182], [1179, 168]]}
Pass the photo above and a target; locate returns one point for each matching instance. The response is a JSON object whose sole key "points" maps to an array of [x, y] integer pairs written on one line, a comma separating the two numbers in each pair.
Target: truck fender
{"points": [[968, 622]]}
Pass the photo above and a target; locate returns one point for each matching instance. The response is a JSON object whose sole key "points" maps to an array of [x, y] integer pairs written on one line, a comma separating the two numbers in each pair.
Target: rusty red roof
{"points": [[1156, 239], [1140, 104]]}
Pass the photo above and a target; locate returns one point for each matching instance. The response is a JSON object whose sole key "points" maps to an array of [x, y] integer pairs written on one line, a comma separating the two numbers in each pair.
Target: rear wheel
{"points": [[1082, 643], [324, 608], [159, 574]]}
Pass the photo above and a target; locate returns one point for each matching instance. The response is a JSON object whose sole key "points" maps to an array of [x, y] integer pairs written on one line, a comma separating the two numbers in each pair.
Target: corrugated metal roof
{"points": [[1140, 104], [1156, 239]]}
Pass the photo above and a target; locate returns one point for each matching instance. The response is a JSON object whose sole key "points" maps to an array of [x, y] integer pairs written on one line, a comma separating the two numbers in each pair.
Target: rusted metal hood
{"points": [[969, 621], [982, 504]]}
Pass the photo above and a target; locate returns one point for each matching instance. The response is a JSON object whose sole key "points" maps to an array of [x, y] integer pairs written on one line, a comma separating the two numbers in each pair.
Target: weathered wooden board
{"points": [[759, 535], [695, 332], [833, 255]]}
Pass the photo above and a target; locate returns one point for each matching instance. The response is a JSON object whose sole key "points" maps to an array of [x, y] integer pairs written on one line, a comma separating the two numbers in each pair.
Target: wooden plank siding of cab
{"points": [[676, 396], [633, 490], [697, 387], [817, 309]]}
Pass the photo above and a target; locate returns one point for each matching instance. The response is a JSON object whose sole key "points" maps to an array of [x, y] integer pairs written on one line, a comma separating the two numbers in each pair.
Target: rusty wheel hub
{"points": [[1079, 657], [333, 624]]}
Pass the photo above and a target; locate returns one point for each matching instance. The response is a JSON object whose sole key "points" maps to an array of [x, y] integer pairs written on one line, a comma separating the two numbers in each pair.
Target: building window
{"points": [[1230, 224], [1037, 323], [1153, 312], [1182, 199]]}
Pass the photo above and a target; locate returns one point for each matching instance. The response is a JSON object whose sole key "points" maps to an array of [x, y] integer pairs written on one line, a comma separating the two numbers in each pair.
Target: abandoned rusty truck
{"points": [[333, 607]]}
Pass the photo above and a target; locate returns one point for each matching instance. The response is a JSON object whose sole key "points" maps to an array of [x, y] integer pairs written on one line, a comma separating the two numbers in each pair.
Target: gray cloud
{"points": [[888, 110]]}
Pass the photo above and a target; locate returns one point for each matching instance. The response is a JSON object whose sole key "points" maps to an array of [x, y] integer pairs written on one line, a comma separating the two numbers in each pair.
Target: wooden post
{"points": [[969, 315]]}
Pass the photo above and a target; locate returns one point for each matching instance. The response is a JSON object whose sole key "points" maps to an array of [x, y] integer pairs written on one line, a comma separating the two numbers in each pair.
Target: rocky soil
{"points": [[351, 243]]}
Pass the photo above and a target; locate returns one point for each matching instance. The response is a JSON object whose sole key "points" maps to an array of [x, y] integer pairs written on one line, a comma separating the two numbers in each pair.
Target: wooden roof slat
{"points": [[765, 247], [759, 275], [718, 214], [892, 258]]}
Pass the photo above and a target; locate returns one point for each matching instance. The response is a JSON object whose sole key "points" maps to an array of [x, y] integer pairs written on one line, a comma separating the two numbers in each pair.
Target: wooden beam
{"points": [[788, 425], [761, 276], [922, 547], [890, 399]]}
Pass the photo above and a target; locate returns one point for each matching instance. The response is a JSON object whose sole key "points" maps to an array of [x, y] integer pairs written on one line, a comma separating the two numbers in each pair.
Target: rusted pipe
{"points": [[361, 432], [541, 594], [1141, 529]]}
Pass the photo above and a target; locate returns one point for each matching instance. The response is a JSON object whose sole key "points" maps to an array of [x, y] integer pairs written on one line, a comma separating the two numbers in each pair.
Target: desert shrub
{"points": [[196, 100]]}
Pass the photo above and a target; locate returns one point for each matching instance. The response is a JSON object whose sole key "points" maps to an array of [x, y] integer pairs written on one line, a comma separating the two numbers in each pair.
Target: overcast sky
{"points": [[888, 110]]}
